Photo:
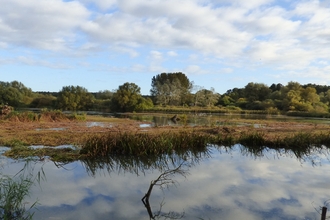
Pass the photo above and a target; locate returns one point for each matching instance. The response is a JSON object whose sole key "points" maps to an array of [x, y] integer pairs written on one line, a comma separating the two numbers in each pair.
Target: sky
{"points": [[223, 44]]}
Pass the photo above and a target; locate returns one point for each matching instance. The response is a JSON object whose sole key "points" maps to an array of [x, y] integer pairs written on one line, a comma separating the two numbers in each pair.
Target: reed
{"points": [[12, 194], [142, 144], [14, 190], [44, 115]]}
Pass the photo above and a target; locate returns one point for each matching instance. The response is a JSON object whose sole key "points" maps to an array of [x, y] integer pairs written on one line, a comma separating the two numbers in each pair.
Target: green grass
{"points": [[44, 115], [129, 143], [13, 192]]}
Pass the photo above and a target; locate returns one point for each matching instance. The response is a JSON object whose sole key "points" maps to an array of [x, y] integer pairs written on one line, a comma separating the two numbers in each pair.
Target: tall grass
{"points": [[13, 192], [44, 115], [144, 144], [129, 143]]}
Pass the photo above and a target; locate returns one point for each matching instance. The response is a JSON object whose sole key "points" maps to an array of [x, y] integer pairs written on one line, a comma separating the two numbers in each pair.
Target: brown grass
{"points": [[74, 132]]}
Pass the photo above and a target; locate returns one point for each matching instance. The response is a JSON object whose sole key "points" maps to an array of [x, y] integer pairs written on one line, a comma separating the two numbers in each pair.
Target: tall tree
{"points": [[256, 92], [75, 98], [207, 97], [127, 97], [176, 86], [15, 94]]}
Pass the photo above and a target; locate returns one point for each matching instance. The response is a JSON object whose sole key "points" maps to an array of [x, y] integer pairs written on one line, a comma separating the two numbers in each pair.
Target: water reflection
{"points": [[218, 119], [164, 180], [226, 183], [15, 188]]}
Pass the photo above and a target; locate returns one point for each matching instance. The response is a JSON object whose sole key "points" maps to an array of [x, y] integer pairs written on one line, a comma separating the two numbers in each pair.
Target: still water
{"points": [[223, 183]]}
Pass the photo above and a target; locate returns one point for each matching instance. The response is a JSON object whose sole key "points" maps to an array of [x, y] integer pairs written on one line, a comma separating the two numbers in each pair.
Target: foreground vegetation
{"points": [[15, 189]]}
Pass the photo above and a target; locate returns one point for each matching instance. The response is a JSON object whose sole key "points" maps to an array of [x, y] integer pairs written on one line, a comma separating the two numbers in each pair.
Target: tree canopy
{"points": [[127, 97], [173, 89], [170, 88], [15, 94], [75, 98]]}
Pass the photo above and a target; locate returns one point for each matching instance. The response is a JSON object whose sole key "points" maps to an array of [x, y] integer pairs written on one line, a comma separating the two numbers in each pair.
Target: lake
{"points": [[223, 183]]}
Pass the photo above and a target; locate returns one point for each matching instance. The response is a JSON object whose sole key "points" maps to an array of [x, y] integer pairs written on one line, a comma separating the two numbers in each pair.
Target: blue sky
{"points": [[101, 44]]}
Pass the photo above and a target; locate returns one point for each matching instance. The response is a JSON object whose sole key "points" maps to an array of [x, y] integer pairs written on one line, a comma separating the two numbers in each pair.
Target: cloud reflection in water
{"points": [[228, 185]]}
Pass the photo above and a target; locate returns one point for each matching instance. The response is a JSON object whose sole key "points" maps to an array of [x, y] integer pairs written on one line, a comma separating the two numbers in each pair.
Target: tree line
{"points": [[172, 89]]}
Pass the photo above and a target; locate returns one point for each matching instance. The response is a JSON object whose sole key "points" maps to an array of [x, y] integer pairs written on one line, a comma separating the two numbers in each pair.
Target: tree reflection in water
{"points": [[177, 165], [169, 166], [164, 180]]}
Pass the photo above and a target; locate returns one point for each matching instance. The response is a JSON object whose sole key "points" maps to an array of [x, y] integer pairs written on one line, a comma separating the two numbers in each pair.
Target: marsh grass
{"points": [[61, 155], [44, 115], [129, 143], [12, 194], [143, 144], [14, 190]]}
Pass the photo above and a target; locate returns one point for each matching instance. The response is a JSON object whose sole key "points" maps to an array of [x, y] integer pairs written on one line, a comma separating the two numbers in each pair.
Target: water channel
{"points": [[222, 183]]}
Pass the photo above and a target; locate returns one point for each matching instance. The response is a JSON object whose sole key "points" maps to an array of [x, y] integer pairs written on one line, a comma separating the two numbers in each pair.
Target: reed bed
{"points": [[44, 115], [129, 143], [144, 144]]}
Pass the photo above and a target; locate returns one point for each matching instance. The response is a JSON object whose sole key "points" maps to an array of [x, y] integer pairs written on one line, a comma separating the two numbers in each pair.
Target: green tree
{"points": [[43, 101], [207, 97], [104, 95], [127, 97], [309, 95], [15, 94], [171, 88], [143, 104], [256, 92], [75, 98], [235, 93], [225, 100], [9, 95]]}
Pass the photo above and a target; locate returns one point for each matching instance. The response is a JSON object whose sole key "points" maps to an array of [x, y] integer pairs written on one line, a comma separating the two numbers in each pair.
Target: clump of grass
{"points": [[12, 194], [19, 151], [44, 115], [254, 139], [52, 115], [60, 155], [129, 143], [26, 116], [14, 190], [78, 117], [15, 143]]}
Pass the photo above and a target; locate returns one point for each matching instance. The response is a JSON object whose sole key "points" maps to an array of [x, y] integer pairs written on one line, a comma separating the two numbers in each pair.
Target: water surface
{"points": [[221, 184]]}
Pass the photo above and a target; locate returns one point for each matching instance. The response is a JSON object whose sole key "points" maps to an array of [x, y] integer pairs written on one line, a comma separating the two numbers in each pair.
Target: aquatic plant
{"points": [[13, 192], [129, 143]]}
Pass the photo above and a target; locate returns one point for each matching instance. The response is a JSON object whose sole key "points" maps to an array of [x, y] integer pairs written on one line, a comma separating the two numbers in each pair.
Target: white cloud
{"points": [[286, 36], [226, 70], [194, 70], [127, 50], [172, 53], [32, 61], [101, 4], [48, 25], [156, 55]]}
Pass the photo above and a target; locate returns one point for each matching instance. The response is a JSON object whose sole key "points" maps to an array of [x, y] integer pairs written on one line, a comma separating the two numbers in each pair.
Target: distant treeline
{"points": [[172, 90]]}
